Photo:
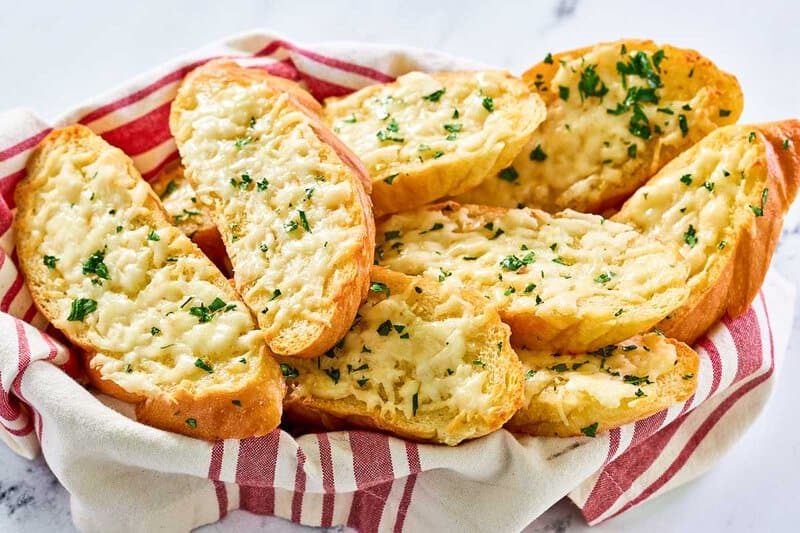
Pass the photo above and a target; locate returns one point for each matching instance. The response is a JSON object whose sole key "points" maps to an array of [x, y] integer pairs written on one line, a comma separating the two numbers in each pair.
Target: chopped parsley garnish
{"points": [[169, 189], [560, 367], [199, 363], [751, 137], [514, 263], [638, 65], [423, 148], [206, 313], [605, 277], [548, 59], [453, 128], [632, 149], [192, 423], [414, 404], [435, 95], [304, 220], [619, 312], [333, 373], [444, 274], [418, 290], [154, 331], [119, 229], [636, 380], [436, 227], [639, 393], [686, 179], [690, 237], [50, 261], [709, 185], [590, 431], [385, 328], [351, 119], [639, 124], [488, 103], [252, 122], [560, 261], [785, 144], [437, 154], [724, 112], [289, 372], [509, 291], [722, 245], [276, 293], [537, 154], [629, 348], [591, 84], [478, 362], [665, 110], [243, 141], [290, 226], [683, 125], [389, 179], [687, 376], [529, 374], [237, 403], [379, 287], [539, 300], [388, 135], [759, 211], [658, 57], [389, 235], [80, 308], [563, 92], [153, 236], [530, 287], [508, 174], [95, 265]]}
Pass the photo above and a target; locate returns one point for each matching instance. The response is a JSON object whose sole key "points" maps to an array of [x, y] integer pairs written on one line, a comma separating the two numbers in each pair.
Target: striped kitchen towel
{"points": [[124, 476]]}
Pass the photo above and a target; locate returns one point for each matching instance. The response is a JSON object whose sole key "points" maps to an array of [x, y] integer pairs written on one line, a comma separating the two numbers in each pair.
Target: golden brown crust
{"points": [[215, 415], [733, 285], [506, 383], [353, 278], [544, 419]]}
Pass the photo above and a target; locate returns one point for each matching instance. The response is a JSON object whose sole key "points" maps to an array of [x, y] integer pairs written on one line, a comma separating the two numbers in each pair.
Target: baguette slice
{"points": [[180, 201], [623, 128], [288, 198], [569, 282], [423, 361], [572, 395], [159, 325], [427, 136], [722, 201]]}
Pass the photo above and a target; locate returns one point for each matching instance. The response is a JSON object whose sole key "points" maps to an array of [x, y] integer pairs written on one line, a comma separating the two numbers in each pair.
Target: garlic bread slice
{"points": [[616, 113], [586, 394], [288, 199], [180, 201], [426, 136], [722, 201], [568, 282], [422, 361], [159, 324]]}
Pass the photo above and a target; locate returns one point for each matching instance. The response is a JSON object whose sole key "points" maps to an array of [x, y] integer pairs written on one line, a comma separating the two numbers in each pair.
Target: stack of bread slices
{"points": [[437, 257]]}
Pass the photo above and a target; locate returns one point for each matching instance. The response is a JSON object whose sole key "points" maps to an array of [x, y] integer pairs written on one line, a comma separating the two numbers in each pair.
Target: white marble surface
{"points": [[54, 54]]}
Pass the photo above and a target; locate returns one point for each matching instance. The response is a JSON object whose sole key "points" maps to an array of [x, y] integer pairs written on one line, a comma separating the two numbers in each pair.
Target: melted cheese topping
{"points": [[582, 154], [180, 201], [427, 358], [527, 261], [700, 200], [625, 378], [425, 118], [87, 204], [283, 199]]}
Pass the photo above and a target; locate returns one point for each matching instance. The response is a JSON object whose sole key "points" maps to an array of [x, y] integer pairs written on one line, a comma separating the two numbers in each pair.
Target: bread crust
{"points": [[684, 72], [545, 420], [215, 415], [734, 284], [418, 184], [354, 277], [506, 384]]}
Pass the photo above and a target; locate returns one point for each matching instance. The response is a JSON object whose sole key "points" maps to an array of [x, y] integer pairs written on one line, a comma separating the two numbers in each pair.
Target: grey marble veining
{"points": [[62, 55]]}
